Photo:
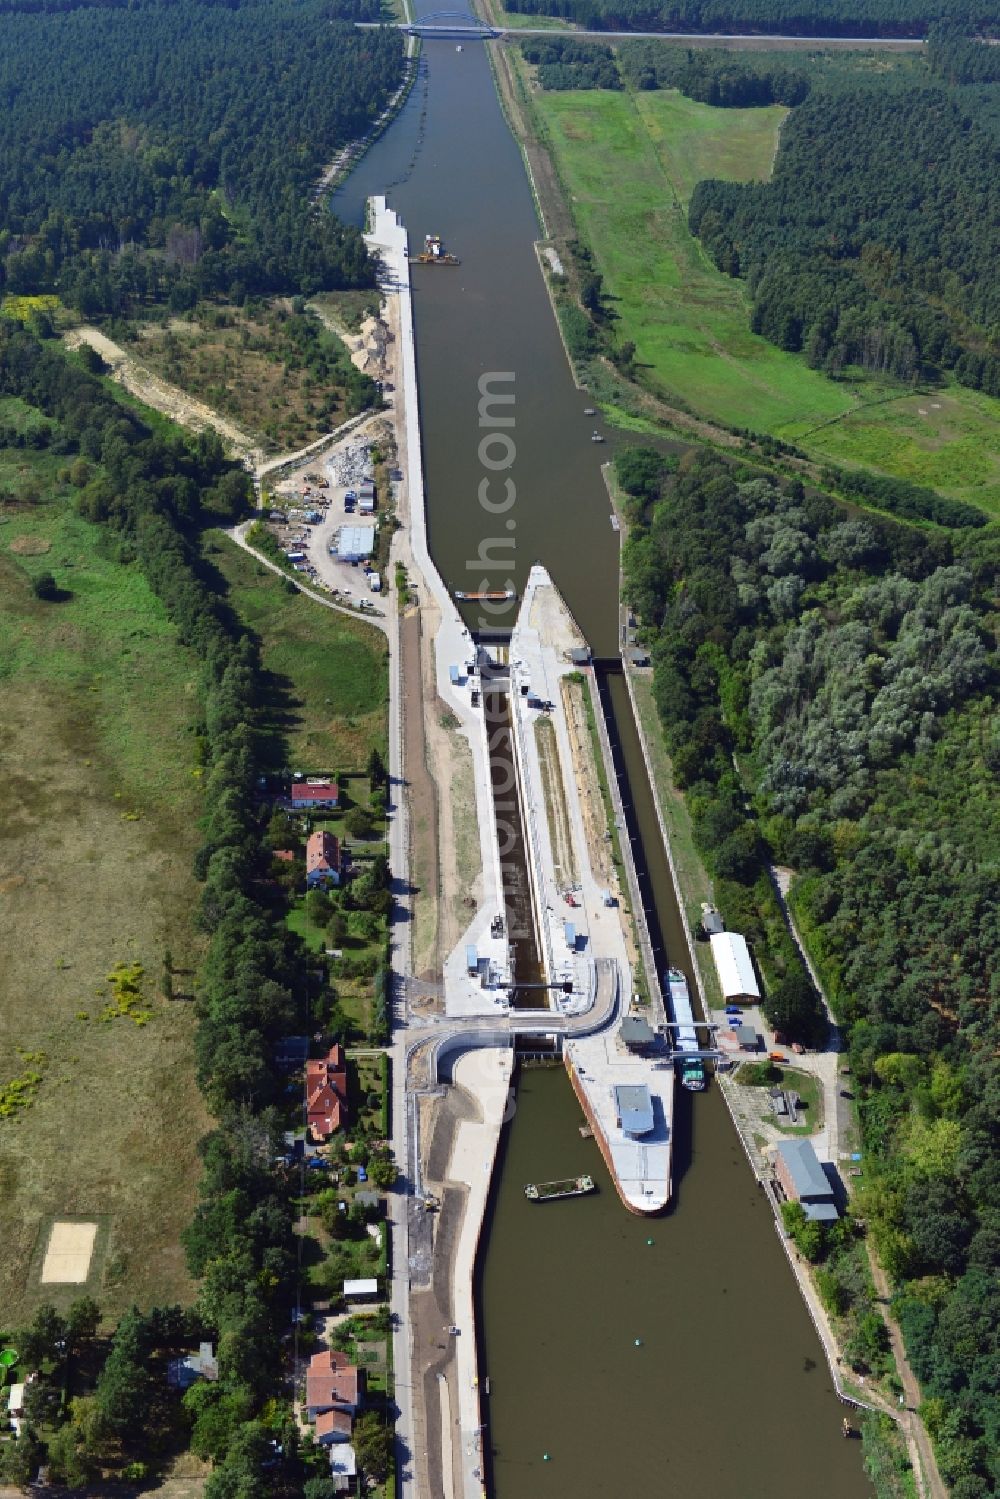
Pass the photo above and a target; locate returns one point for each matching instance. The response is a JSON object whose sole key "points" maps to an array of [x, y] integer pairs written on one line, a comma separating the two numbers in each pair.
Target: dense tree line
{"points": [[346, 10], [567, 64], [728, 80], [875, 242], [152, 492], [849, 664], [790, 17], [170, 153], [961, 59], [901, 497]]}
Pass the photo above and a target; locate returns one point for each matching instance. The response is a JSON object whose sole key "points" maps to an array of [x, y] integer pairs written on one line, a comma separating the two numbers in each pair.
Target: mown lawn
{"points": [[99, 801], [630, 162], [329, 674]]}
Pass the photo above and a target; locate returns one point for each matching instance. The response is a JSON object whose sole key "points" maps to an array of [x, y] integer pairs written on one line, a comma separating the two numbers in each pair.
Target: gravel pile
{"points": [[351, 466]]}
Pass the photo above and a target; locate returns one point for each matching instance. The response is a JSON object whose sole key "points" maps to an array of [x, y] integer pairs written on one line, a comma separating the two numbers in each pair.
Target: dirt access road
{"points": [[162, 396]]}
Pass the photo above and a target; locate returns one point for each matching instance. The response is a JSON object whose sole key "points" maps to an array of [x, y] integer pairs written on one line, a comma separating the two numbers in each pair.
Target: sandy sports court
{"points": [[67, 1258]]}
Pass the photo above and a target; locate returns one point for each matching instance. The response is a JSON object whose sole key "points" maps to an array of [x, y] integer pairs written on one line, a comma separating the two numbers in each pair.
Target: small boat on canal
{"points": [[576, 1186]]}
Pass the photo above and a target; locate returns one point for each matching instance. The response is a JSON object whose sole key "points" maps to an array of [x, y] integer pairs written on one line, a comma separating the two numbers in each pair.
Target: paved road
{"points": [[761, 39], [370, 616]]}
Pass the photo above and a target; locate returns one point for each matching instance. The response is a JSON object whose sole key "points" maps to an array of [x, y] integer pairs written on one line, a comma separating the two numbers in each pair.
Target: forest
{"points": [[842, 671], [567, 64], [820, 18], [169, 153], [152, 491], [718, 78], [726, 80], [874, 242]]}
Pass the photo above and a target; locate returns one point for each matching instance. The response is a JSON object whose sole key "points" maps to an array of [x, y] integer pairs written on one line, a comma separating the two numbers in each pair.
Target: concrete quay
{"points": [[453, 644], [597, 1063], [472, 1043]]}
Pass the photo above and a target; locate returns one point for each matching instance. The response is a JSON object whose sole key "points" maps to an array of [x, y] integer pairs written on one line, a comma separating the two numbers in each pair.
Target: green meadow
{"points": [[327, 673], [629, 184], [946, 438], [629, 162]]}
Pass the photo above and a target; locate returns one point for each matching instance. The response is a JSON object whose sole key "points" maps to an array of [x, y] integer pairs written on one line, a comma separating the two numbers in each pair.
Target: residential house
{"points": [[323, 859], [314, 792], [334, 1426], [184, 1372], [333, 1383], [326, 1093]]}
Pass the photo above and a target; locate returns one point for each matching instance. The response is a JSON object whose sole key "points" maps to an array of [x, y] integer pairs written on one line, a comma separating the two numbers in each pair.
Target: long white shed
{"points": [[734, 966]]}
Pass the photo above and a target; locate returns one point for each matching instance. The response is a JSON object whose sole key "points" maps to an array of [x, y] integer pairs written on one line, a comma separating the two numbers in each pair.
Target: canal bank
{"points": [[729, 1356]]}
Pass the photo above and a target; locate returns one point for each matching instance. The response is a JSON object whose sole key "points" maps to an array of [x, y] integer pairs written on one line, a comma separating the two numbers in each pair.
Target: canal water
{"points": [[522, 936], [727, 1393]]}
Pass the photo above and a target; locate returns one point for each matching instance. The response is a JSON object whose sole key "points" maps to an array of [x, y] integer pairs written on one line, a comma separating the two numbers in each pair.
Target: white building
{"points": [[355, 543], [15, 1407], [734, 967], [343, 1463], [354, 1290]]}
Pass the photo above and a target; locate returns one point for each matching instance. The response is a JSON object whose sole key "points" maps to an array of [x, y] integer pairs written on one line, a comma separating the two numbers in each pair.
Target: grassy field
{"points": [[689, 323], [514, 20], [629, 163], [945, 438], [329, 673], [98, 807]]}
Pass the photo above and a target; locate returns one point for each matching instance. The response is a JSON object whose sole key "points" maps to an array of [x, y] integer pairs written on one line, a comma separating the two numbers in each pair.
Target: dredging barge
{"points": [[576, 1186], [434, 253]]}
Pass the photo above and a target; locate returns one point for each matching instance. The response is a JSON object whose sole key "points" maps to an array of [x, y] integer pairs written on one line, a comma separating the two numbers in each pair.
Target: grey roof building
{"points": [[803, 1180], [634, 1109], [183, 1372], [636, 1033], [711, 921]]}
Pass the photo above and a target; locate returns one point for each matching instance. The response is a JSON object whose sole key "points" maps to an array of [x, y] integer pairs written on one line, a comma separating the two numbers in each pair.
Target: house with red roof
{"points": [[333, 1385], [315, 792], [323, 859], [334, 1426], [326, 1093]]}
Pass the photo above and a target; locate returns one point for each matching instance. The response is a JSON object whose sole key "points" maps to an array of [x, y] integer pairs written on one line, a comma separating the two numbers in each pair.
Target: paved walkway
{"points": [[486, 1075]]}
